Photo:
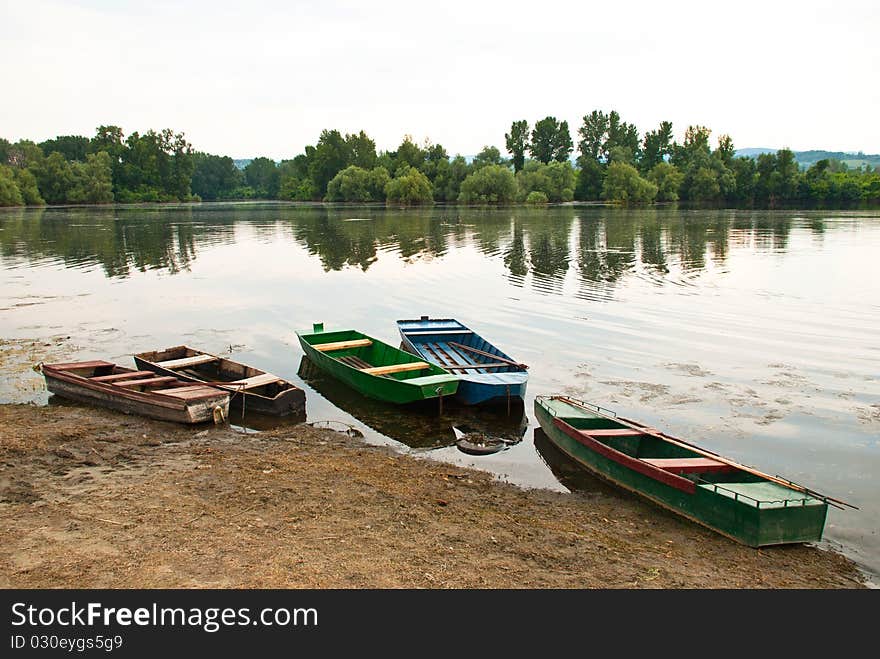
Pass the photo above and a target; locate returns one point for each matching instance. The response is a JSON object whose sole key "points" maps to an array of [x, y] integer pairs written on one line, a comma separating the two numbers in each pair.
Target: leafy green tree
{"points": [[593, 133], [695, 147], [702, 186], [656, 147], [182, 165], [54, 178], [64, 182], [409, 188], [562, 145], [4, 150], [622, 141], [590, 179], [624, 185], [435, 163], [9, 192], [551, 140], [777, 178], [871, 187], [449, 177], [536, 198], [155, 166], [489, 184], [408, 154], [112, 140], [490, 155], [517, 141], [694, 159], [95, 180], [27, 185], [556, 180], [72, 147], [604, 138], [361, 151], [745, 173], [262, 175], [331, 155], [295, 182], [668, 180], [215, 177], [357, 184], [24, 153], [725, 151]]}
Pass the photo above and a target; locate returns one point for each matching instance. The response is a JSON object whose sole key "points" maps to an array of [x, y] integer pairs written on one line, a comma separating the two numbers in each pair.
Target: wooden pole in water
{"points": [[709, 454]]}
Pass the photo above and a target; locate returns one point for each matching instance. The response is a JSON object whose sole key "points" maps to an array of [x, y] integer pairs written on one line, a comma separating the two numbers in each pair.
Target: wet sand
{"points": [[91, 498]]}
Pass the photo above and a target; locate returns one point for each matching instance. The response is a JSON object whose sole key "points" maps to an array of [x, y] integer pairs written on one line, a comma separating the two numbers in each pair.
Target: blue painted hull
{"points": [[445, 342], [480, 393]]}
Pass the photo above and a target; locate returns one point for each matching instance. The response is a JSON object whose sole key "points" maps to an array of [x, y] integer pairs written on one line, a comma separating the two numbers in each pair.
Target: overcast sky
{"points": [[258, 77]]}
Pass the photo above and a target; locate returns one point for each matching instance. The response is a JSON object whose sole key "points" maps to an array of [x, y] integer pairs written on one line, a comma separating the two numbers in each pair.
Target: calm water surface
{"points": [[754, 334]]}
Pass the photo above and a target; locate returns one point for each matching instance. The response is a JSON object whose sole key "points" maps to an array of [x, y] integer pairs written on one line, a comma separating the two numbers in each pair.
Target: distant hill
{"points": [[241, 163], [808, 158]]}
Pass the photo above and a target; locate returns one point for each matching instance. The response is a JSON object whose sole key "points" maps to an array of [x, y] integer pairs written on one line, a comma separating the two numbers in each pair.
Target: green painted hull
{"points": [[399, 388], [739, 505]]}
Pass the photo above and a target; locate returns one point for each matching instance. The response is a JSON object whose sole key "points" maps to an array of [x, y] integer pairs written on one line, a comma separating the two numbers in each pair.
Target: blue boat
{"points": [[486, 374]]}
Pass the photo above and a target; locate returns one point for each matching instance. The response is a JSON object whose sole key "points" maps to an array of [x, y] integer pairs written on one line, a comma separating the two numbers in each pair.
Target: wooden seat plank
{"points": [[396, 368], [186, 393], [342, 345], [253, 382], [183, 362], [72, 366], [689, 465], [149, 382], [121, 376]]}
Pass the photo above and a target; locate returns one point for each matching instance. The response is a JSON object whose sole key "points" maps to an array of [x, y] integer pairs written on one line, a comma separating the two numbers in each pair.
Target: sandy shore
{"points": [[92, 498]]}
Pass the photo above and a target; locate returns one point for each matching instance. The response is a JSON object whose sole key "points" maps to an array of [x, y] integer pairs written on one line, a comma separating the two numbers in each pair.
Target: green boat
{"points": [[374, 368], [739, 502]]}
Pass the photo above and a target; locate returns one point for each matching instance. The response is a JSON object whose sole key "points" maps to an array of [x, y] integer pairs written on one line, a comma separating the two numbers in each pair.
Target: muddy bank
{"points": [[91, 498]]}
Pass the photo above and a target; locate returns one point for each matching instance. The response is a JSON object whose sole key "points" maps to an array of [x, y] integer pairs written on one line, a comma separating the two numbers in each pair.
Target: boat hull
{"points": [[151, 406], [289, 401], [438, 383], [711, 506], [489, 388]]}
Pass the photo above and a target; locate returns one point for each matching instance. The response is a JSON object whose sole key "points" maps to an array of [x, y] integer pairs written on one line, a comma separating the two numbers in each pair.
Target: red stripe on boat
{"points": [[679, 483]]}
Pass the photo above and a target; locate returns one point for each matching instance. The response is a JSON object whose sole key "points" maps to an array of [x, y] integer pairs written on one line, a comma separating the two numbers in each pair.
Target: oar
{"points": [[487, 354], [709, 454]]}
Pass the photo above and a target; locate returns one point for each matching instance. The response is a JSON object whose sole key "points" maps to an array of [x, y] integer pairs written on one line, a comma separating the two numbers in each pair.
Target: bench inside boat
{"points": [[656, 452], [373, 357], [109, 374], [196, 365]]}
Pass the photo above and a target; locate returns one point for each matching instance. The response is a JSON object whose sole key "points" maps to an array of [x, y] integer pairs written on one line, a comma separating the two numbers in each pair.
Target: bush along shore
{"points": [[614, 162]]}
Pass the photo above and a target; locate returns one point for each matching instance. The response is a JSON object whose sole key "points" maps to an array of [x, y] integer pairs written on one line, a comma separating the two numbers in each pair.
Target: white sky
{"points": [[262, 77]]}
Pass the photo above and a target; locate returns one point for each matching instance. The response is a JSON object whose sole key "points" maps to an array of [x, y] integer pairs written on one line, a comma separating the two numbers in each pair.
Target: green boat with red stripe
{"points": [[375, 369], [737, 501]]}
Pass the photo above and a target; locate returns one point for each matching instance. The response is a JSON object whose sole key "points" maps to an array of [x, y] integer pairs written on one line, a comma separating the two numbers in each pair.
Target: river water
{"points": [[754, 334]]}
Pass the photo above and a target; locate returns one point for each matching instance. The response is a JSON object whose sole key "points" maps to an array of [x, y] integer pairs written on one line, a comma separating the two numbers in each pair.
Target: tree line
{"points": [[614, 163]]}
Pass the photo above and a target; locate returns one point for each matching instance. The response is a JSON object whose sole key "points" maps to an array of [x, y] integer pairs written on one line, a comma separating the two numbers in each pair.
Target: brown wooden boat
{"points": [[136, 392], [256, 390]]}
